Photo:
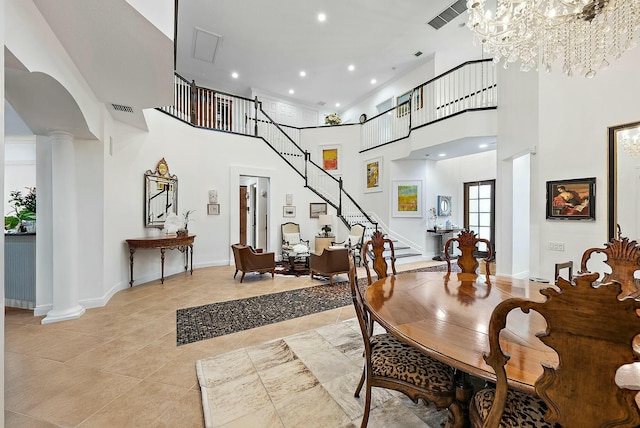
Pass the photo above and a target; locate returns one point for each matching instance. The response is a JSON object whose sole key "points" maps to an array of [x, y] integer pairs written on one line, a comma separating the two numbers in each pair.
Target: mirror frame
{"points": [[612, 176], [153, 180], [446, 209]]}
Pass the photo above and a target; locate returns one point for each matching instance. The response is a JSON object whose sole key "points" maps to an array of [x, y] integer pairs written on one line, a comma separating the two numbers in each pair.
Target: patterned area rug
{"points": [[303, 380], [217, 319]]}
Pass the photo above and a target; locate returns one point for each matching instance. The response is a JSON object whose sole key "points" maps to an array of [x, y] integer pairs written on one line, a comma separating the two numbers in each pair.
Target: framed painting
{"points": [[373, 175], [330, 158], [316, 209], [213, 209], [407, 198], [403, 104], [571, 199]]}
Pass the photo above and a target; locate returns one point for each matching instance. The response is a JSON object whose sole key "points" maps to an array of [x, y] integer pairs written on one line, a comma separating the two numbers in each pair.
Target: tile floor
{"points": [[119, 365]]}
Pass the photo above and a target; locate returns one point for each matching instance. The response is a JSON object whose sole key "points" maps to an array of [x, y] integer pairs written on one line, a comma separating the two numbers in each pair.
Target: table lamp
{"points": [[326, 221]]}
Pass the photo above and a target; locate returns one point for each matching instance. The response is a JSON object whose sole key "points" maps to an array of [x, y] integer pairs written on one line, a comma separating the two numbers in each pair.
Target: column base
{"points": [[69, 314]]}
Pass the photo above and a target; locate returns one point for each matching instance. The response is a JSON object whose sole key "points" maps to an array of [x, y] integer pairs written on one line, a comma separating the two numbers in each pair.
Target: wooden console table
{"points": [[182, 243]]}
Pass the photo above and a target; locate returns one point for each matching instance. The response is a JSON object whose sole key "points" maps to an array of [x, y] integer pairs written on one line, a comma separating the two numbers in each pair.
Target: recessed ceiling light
{"points": [[234, 75], [374, 81], [442, 154], [322, 17], [351, 67], [291, 91], [337, 104], [303, 73], [483, 146]]}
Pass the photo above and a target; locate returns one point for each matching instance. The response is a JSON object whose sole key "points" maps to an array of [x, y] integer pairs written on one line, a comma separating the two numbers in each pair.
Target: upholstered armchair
{"points": [[332, 261], [247, 260]]}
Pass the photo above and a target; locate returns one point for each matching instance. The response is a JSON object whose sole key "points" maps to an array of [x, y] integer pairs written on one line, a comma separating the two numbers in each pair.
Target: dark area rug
{"points": [[217, 319]]}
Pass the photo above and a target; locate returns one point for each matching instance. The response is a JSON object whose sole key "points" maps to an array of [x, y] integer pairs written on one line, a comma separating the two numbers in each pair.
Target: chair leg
{"points": [[359, 388], [331, 279], [234, 275], [242, 277], [273, 272], [367, 407]]}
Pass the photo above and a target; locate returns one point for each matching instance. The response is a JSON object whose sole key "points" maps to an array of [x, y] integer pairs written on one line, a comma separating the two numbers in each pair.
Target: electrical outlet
{"points": [[555, 246]]}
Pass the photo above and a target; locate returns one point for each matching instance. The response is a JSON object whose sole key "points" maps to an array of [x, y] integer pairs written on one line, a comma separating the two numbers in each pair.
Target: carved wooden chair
{"points": [[623, 256], [354, 241], [393, 364], [247, 260], [292, 241], [376, 247], [468, 245], [592, 332]]}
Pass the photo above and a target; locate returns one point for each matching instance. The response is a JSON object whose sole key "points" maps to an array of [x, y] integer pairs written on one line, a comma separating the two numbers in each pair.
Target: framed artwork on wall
{"points": [[213, 209], [330, 158], [571, 199], [407, 198], [288, 211], [373, 175], [316, 209]]}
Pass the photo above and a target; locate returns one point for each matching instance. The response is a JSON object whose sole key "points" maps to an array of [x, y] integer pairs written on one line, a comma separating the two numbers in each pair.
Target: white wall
{"points": [[574, 116]]}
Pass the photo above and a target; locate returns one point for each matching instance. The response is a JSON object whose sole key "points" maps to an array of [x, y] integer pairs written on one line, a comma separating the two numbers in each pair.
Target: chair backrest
{"points": [[592, 332], [377, 246], [289, 229], [239, 251], [623, 256], [361, 312], [331, 260], [357, 230], [468, 245]]}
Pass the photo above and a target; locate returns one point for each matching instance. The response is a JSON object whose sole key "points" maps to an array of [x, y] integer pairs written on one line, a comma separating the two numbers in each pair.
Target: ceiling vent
{"points": [[321, 103], [206, 45], [125, 109], [449, 14], [417, 54]]}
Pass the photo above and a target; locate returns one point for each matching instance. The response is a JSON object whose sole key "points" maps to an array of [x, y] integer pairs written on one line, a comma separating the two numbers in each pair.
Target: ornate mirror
{"points": [[160, 195], [624, 180], [444, 205]]}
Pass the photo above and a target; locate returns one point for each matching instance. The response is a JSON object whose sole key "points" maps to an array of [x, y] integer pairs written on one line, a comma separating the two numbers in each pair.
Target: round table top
{"points": [[447, 316]]}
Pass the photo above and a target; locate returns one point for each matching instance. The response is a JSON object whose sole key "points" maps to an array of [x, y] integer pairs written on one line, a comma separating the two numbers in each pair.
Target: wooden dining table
{"points": [[447, 316]]}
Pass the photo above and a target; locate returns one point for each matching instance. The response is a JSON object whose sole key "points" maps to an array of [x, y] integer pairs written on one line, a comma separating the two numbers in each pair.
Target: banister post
{"points": [[306, 160], [194, 93], [340, 197], [256, 117]]}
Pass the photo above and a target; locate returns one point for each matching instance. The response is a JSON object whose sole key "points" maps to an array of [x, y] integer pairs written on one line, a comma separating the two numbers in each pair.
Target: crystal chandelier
{"points": [[630, 140], [583, 34]]}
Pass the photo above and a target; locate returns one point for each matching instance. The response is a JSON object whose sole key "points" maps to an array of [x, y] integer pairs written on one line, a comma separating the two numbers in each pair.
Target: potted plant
{"points": [[186, 216], [23, 215]]}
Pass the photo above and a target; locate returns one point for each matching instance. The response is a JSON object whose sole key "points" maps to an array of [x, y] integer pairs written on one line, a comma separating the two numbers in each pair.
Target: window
{"points": [[479, 211]]}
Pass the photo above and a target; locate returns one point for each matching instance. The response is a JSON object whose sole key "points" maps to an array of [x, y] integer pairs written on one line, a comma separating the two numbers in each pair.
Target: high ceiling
{"points": [[269, 43]]}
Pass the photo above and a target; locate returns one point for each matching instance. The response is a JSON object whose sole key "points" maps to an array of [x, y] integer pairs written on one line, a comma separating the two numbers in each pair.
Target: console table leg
{"points": [[162, 258], [131, 251], [191, 250]]}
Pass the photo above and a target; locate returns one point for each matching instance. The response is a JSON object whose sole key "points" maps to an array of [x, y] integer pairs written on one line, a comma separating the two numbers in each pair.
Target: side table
{"points": [[441, 234]]}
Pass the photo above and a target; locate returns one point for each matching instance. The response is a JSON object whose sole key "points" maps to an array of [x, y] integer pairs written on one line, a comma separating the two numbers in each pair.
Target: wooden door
{"points": [[243, 214]]}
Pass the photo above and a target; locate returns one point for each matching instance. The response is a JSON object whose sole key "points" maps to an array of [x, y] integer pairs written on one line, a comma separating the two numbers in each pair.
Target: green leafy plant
{"points": [[24, 209]]}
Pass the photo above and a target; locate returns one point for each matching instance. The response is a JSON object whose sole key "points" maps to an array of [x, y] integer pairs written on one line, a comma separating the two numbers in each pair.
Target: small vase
{"points": [[182, 232]]}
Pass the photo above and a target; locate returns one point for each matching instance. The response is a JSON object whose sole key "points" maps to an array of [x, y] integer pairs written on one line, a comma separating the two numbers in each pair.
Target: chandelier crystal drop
{"points": [[582, 35], [631, 143]]}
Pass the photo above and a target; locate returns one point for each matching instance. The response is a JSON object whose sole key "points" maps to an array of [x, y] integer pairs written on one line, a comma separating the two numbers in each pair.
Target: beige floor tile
{"points": [[119, 365]]}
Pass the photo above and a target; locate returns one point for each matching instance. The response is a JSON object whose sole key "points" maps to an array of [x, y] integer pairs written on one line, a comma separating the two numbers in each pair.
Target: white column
{"points": [[65, 231]]}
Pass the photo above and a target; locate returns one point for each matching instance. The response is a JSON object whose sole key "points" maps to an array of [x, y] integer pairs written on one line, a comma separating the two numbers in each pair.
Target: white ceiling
{"points": [[269, 42]]}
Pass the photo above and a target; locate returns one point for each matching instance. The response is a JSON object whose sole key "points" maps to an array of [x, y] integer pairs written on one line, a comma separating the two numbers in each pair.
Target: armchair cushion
{"points": [[292, 238]]}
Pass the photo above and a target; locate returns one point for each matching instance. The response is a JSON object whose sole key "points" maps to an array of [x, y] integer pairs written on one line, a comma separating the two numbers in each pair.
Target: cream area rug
{"points": [[304, 380]]}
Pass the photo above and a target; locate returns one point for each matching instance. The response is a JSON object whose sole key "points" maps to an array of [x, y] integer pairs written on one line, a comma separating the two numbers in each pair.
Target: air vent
{"points": [[418, 53], [321, 103], [449, 14], [206, 45], [125, 109]]}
